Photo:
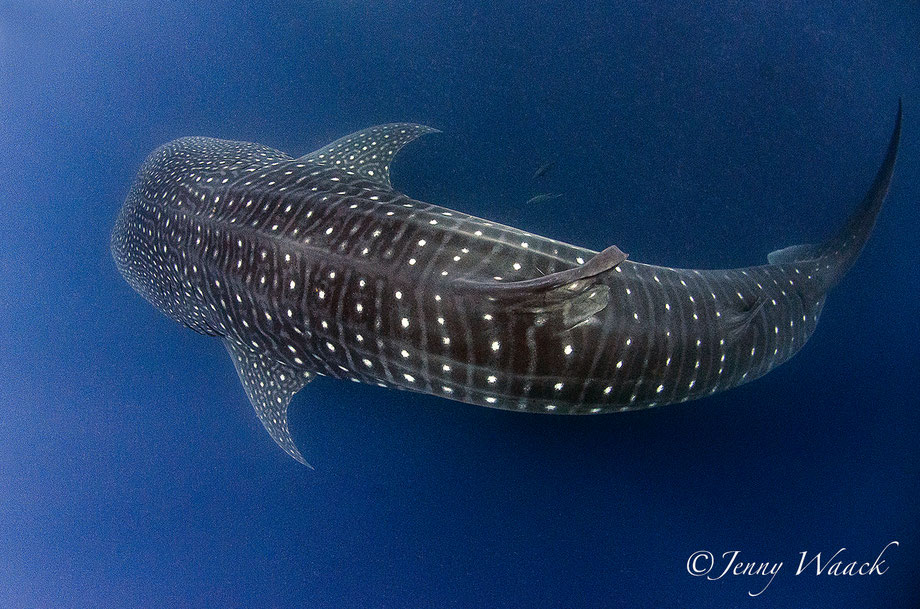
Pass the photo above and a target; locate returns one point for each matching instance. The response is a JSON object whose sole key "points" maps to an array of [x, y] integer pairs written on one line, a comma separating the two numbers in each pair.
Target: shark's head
{"points": [[139, 243], [174, 193], [126, 246], [133, 241]]}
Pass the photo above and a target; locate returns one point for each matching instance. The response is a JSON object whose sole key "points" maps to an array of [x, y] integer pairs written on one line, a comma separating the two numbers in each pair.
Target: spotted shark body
{"points": [[316, 265]]}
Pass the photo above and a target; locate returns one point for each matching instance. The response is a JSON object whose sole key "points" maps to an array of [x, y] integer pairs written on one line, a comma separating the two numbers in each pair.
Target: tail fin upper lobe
{"points": [[836, 255], [840, 252]]}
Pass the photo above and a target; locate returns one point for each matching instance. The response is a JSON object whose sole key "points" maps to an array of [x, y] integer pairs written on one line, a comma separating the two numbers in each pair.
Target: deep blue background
{"points": [[704, 134]]}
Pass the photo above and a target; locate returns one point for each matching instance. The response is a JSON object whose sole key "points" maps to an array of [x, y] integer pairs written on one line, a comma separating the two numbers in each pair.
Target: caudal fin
{"points": [[837, 254], [840, 252]]}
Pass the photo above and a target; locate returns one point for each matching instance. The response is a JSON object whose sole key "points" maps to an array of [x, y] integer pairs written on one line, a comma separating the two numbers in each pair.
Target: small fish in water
{"points": [[543, 198], [544, 169]]}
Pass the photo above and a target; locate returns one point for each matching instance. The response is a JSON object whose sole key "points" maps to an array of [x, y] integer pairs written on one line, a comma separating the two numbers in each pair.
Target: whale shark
{"points": [[316, 265]]}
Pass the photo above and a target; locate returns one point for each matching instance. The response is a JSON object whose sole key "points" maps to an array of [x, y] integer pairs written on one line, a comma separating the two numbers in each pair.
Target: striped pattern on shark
{"points": [[316, 265]]}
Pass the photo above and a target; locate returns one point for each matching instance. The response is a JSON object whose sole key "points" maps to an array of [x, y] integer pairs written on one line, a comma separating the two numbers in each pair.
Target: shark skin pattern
{"points": [[316, 265]]}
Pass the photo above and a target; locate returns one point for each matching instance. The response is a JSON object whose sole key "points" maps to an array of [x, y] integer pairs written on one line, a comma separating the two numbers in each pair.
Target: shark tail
{"points": [[838, 254]]}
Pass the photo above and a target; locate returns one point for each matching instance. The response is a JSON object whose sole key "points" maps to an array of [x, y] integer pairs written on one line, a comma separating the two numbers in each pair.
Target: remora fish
{"points": [[543, 169], [542, 198], [315, 265]]}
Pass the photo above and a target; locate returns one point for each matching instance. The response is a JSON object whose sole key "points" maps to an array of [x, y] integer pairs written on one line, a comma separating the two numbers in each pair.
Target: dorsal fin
{"points": [[270, 385], [792, 254], [555, 287], [368, 152]]}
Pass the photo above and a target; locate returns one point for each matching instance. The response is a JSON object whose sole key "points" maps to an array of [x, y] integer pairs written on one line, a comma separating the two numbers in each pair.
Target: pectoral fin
{"points": [[368, 152], [270, 386]]}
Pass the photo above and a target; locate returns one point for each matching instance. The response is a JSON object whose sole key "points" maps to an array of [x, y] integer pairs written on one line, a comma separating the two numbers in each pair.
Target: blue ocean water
{"points": [[133, 472]]}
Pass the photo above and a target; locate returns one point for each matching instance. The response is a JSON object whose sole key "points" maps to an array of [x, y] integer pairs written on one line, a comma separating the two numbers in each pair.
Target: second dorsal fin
{"points": [[368, 152]]}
